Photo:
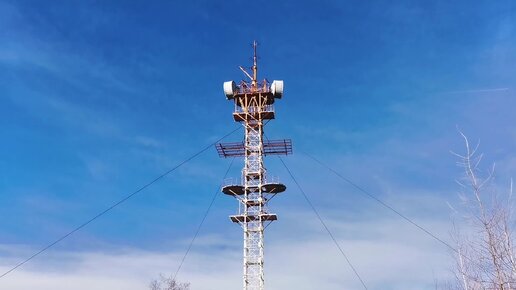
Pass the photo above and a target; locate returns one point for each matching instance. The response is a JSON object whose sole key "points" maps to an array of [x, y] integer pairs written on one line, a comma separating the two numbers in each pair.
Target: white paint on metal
{"points": [[230, 89], [277, 89]]}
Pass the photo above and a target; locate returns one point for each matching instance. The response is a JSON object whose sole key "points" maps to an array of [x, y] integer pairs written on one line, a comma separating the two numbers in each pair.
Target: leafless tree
{"points": [[167, 283], [484, 240]]}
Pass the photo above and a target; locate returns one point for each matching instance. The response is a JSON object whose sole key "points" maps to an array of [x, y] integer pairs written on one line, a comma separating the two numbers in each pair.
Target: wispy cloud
{"points": [[474, 91], [299, 255]]}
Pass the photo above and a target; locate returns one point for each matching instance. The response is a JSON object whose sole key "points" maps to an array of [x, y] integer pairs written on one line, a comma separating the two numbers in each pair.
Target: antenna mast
{"points": [[254, 104], [255, 65]]}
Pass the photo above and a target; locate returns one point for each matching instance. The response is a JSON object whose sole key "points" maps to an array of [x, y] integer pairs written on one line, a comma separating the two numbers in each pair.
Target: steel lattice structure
{"points": [[254, 106]]}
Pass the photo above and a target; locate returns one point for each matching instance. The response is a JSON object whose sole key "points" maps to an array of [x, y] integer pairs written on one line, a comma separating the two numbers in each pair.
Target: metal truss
{"points": [[253, 105]]}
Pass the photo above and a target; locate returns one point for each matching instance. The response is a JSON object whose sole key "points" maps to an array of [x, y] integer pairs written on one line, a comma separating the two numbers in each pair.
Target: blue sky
{"points": [[98, 98]]}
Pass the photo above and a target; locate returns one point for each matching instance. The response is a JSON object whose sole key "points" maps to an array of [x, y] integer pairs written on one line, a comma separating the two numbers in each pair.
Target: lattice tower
{"points": [[254, 107]]}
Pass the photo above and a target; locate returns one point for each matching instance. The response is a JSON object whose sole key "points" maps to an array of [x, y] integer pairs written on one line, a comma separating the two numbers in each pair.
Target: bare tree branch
{"points": [[167, 283], [485, 252]]}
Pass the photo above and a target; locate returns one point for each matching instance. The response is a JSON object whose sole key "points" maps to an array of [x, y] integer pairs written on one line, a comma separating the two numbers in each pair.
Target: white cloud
{"points": [[388, 253]]}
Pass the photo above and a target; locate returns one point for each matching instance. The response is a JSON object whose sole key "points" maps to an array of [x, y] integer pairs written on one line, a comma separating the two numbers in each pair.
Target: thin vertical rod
{"points": [[254, 84]]}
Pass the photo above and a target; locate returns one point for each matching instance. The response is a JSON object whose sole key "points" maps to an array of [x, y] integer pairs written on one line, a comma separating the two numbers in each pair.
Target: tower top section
{"points": [[252, 86]]}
